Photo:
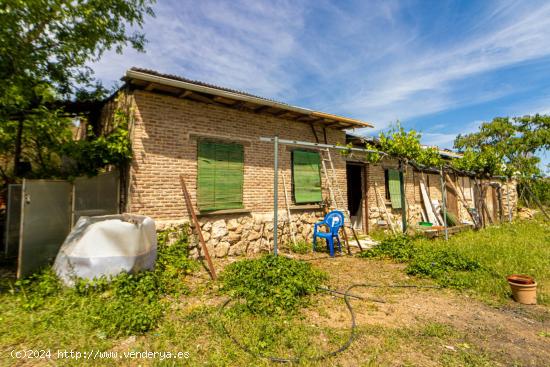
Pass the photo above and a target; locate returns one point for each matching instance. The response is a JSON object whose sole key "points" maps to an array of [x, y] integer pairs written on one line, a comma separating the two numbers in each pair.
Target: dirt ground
{"points": [[453, 321]]}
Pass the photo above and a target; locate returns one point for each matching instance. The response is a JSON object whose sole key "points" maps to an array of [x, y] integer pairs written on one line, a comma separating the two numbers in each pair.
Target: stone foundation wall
{"points": [[241, 235]]}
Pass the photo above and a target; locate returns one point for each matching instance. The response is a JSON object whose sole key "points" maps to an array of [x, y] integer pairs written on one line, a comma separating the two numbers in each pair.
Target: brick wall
{"points": [[164, 132], [164, 141]]}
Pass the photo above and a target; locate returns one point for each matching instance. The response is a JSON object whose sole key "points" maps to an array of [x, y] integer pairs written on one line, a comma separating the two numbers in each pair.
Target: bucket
{"points": [[524, 288]]}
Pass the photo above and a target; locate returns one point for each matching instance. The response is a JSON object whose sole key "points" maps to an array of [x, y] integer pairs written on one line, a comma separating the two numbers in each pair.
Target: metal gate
{"points": [[41, 214], [45, 222], [13, 221]]}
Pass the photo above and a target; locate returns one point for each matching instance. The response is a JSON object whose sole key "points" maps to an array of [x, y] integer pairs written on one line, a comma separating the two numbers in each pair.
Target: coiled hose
{"points": [[347, 295]]}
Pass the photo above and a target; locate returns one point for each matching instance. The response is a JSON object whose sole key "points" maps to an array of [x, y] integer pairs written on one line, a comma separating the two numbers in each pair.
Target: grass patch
{"points": [[300, 247], [127, 304], [271, 284], [477, 260]]}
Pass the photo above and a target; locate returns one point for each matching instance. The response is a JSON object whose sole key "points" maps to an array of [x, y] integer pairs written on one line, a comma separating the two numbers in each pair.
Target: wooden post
{"points": [[288, 210], [197, 228], [444, 203], [403, 198]]}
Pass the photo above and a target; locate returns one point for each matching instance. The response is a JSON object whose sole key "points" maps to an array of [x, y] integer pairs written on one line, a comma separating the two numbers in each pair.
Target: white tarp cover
{"points": [[106, 246]]}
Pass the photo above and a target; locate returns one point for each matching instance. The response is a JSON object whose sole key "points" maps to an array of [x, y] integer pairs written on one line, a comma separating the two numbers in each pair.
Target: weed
{"points": [[479, 261], [398, 247], [119, 305], [300, 247], [271, 284]]}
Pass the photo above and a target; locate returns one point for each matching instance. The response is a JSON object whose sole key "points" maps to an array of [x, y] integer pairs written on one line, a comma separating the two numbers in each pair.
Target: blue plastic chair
{"points": [[333, 220]]}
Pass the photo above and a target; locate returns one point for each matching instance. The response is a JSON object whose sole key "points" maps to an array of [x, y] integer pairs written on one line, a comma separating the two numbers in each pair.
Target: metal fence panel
{"points": [[96, 195], [46, 221], [13, 221]]}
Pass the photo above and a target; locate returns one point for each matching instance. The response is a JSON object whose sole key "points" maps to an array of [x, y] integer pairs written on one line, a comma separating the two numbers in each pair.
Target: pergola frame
{"points": [[276, 141]]}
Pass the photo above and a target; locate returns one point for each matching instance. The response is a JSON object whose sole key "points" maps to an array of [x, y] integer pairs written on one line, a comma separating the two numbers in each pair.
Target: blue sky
{"points": [[441, 67]]}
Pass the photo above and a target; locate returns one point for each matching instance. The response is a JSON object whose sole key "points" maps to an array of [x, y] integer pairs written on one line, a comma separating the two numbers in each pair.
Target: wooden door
{"points": [[451, 200]]}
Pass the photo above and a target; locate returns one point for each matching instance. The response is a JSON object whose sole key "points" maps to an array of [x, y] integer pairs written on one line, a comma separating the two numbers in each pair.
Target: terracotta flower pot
{"points": [[524, 288]]}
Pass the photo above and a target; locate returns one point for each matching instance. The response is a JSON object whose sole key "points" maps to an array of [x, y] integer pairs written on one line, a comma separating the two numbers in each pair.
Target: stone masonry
{"points": [[164, 132]]}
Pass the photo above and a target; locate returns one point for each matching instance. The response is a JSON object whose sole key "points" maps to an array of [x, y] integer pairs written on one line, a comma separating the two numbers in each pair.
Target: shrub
{"points": [[271, 284]]}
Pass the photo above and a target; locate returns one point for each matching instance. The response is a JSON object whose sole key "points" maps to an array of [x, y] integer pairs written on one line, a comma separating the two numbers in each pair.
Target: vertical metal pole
{"points": [[508, 200], [444, 203], [275, 192]]}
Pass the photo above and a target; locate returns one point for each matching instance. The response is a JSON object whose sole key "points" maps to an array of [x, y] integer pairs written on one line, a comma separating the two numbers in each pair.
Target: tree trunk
{"points": [[18, 143]]}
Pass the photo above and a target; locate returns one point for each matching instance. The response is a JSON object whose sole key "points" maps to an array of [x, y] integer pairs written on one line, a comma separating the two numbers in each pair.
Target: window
{"points": [[393, 187], [306, 175], [220, 175]]}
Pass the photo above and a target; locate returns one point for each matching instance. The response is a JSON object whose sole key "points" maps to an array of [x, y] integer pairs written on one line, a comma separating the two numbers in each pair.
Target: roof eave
{"points": [[134, 74]]}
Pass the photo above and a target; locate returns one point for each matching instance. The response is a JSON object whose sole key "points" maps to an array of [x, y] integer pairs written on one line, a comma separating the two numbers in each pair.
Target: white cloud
{"points": [[370, 60], [424, 83], [239, 44]]}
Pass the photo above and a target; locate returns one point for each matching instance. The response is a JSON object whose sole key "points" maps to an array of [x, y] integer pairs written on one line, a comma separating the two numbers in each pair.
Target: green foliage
{"points": [[271, 284], [46, 47], [401, 144], [439, 264], [399, 248], [37, 288], [486, 162], [433, 264], [121, 305], [96, 152], [540, 188], [513, 141], [300, 247], [478, 261], [49, 43]]}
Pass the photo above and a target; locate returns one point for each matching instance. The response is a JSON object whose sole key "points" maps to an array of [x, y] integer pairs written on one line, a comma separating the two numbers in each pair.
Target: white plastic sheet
{"points": [[106, 246]]}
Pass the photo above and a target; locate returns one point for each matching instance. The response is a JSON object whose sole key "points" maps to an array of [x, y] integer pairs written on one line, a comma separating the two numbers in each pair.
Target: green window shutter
{"points": [[220, 176], [394, 185], [306, 177]]}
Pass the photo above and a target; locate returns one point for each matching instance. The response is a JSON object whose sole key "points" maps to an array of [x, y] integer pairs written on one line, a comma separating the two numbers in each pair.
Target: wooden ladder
{"points": [[332, 182]]}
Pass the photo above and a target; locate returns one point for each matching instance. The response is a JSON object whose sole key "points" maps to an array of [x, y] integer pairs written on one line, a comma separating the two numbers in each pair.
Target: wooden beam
{"points": [[239, 104], [185, 94], [223, 100], [305, 119], [280, 113], [150, 87], [287, 115], [205, 99], [261, 108]]}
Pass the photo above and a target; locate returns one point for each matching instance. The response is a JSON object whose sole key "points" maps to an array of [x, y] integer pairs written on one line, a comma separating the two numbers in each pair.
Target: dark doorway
{"points": [[354, 173]]}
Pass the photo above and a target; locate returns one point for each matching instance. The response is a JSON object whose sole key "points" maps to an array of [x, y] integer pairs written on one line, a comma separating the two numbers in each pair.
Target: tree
{"points": [[45, 49], [47, 44], [512, 141]]}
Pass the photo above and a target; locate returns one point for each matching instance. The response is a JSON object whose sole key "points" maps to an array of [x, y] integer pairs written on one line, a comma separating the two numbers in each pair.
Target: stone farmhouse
{"points": [[211, 136]]}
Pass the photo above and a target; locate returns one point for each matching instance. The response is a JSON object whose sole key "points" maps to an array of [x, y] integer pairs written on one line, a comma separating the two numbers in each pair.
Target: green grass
{"points": [[271, 284], [478, 261], [300, 247], [165, 311]]}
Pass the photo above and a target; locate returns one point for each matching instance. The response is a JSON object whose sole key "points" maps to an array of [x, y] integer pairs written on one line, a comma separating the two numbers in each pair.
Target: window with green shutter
{"points": [[394, 187], [220, 175], [306, 176]]}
